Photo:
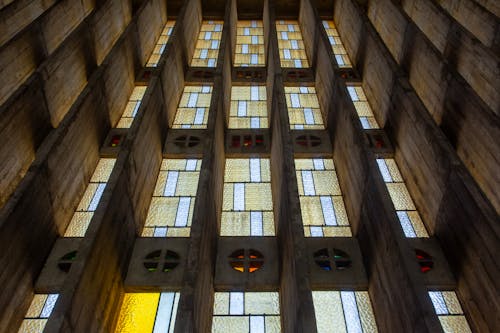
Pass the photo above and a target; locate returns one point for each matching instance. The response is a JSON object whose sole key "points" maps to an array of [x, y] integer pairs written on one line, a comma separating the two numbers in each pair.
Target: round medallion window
{"points": [[65, 262], [328, 259], [155, 261], [424, 260], [186, 141], [308, 140], [246, 260]]}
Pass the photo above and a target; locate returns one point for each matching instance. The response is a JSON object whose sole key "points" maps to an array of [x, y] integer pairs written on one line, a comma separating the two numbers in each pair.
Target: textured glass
{"points": [[167, 308], [207, 47], [366, 312], [87, 197], [273, 324], [406, 224], [351, 314], [32, 325], [230, 324], [248, 106], [257, 324], [338, 50], [78, 224], [438, 302], [400, 196], [160, 44], [290, 44], [256, 224], [362, 106], [303, 108], [132, 107], [50, 302], [328, 211], [103, 170], [192, 111], [36, 306], [236, 303], [96, 198], [249, 49], [454, 324], [262, 303], [384, 170], [328, 312], [221, 303], [393, 169], [452, 302], [137, 313]]}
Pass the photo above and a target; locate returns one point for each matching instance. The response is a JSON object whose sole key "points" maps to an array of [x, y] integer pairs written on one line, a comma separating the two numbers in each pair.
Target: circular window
{"points": [[66, 261], [154, 261], [308, 140], [424, 260], [246, 260], [326, 259], [186, 141]]}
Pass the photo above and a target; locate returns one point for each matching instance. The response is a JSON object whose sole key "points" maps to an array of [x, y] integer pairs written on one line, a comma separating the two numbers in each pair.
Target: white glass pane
{"points": [[239, 196], [174, 312], [171, 183], [254, 59], [353, 94], [208, 35], [308, 115], [339, 59], [308, 182], [193, 99], [328, 211], [295, 100], [438, 302], [257, 324], [406, 224], [205, 89], [255, 39], [332, 40], [254, 93], [303, 90], [160, 232], [256, 228], [182, 212], [164, 312], [255, 170], [97, 197], [384, 170], [191, 165], [246, 31], [318, 164], [351, 312], [316, 231], [211, 62], [198, 118], [364, 123], [136, 108], [254, 122], [298, 63], [326, 25], [291, 28], [284, 35], [215, 45], [218, 27], [49, 305], [204, 54], [244, 48], [295, 45], [236, 303], [242, 108], [286, 54]]}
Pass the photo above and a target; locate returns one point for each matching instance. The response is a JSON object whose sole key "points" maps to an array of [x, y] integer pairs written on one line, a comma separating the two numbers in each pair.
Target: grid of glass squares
{"points": [[249, 44], [160, 44], [248, 312], [303, 108], [449, 311], [291, 45], [338, 49], [321, 202], [207, 46], [171, 210], [192, 111], [247, 206], [248, 107], [148, 312], [134, 102], [38, 313], [403, 204], [362, 106], [343, 311], [91, 198]]}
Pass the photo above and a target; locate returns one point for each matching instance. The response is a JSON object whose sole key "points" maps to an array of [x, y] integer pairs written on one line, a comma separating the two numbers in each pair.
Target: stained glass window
{"points": [[171, 209], [321, 202], [249, 44], [160, 44], [88, 204], [248, 312], [343, 311], [207, 46], [134, 102], [405, 209], [192, 111], [303, 108], [248, 107], [290, 44], [338, 49], [247, 207], [362, 106], [148, 312], [449, 312], [38, 313]]}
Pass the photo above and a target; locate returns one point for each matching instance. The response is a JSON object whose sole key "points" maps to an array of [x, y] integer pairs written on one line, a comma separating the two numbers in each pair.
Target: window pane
{"points": [[40, 309], [160, 44], [303, 108], [291, 45], [249, 49], [192, 111], [134, 102], [337, 47], [248, 107], [207, 46]]}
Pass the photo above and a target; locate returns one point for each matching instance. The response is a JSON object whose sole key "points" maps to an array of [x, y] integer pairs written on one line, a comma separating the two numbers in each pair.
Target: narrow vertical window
{"points": [[192, 111], [303, 108], [38, 313], [247, 208], [249, 44], [362, 106], [148, 313], [207, 46], [134, 102], [253, 312], [160, 44], [91, 198], [290, 44], [171, 209], [408, 215], [248, 107], [338, 48], [321, 202], [343, 311], [449, 311]]}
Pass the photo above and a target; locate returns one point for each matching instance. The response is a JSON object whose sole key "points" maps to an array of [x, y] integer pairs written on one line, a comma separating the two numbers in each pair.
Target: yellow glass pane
{"points": [[326, 183], [187, 184], [365, 312], [258, 196], [240, 93], [36, 306], [363, 109], [303, 164], [79, 224], [273, 324], [87, 197], [179, 232], [311, 210], [230, 324], [340, 212], [227, 197], [262, 303], [32, 326], [147, 232], [129, 109], [454, 324], [393, 170], [239, 122], [125, 123], [328, 311], [103, 170], [417, 224], [400, 196], [265, 170], [296, 116], [337, 232], [138, 312], [235, 224], [360, 92], [138, 93], [221, 303], [452, 302], [268, 221], [237, 170], [160, 183], [162, 211], [309, 101]]}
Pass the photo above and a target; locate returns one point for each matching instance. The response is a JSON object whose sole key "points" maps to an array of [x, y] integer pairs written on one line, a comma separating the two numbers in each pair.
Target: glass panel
{"points": [[132, 107], [207, 46], [40, 309], [160, 44], [291, 45], [171, 210], [192, 111], [248, 107], [303, 108], [249, 49], [449, 311], [362, 107], [337, 47]]}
